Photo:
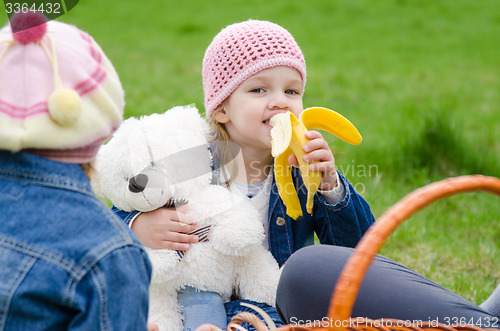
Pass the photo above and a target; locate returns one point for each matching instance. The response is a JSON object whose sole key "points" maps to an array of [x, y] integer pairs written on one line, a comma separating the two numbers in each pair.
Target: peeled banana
{"points": [[288, 137]]}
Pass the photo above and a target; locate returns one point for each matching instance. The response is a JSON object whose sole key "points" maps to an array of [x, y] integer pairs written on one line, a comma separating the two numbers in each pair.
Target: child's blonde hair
{"points": [[224, 151]]}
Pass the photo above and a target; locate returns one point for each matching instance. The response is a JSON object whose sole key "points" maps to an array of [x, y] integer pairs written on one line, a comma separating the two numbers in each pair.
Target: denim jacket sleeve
{"points": [[104, 297], [344, 223], [126, 216]]}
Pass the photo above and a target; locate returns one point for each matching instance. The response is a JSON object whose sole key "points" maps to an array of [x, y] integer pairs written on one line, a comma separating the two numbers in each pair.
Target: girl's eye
{"points": [[257, 90], [292, 92]]}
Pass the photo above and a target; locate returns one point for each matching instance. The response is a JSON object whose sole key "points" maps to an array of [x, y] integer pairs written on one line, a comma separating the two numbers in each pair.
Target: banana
{"points": [[288, 137]]}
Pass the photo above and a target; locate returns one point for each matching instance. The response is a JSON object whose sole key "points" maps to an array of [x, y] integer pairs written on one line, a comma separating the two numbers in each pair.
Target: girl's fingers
{"points": [[152, 327], [208, 327], [293, 160], [313, 134], [185, 219], [316, 144], [325, 167], [176, 241], [321, 155], [161, 229], [173, 246], [178, 227], [179, 214]]}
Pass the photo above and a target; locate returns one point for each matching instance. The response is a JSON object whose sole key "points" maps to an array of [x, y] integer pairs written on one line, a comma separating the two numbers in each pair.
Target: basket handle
{"points": [[353, 273]]}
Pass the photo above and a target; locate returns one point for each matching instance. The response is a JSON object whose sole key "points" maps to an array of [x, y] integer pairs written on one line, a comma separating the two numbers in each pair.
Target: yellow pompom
{"points": [[65, 106]]}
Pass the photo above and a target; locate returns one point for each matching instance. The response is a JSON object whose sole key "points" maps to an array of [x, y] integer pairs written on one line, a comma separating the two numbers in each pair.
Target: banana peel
{"points": [[288, 137]]}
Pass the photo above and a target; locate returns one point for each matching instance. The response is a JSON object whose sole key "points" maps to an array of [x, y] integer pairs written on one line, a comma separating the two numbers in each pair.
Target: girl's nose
{"points": [[278, 100]]}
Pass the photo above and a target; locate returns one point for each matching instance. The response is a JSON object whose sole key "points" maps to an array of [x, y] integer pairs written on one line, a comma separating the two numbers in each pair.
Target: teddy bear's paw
{"points": [[235, 241], [164, 308], [265, 293], [237, 230], [210, 201], [168, 317], [235, 249], [260, 281]]}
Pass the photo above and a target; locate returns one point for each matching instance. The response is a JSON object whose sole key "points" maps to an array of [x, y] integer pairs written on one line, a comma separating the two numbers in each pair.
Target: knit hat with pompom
{"points": [[60, 96], [243, 49]]}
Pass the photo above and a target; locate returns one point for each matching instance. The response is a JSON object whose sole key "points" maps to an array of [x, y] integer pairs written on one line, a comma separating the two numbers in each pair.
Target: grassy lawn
{"points": [[418, 78]]}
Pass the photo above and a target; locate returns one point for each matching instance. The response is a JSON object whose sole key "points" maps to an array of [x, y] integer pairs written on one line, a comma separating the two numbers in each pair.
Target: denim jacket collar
{"points": [[34, 168]]}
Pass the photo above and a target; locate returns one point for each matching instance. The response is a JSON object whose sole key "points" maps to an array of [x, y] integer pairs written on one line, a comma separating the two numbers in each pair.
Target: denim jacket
{"points": [[342, 224], [66, 261]]}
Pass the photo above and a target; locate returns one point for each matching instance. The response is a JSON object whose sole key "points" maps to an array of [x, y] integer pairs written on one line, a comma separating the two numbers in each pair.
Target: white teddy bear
{"points": [[161, 158]]}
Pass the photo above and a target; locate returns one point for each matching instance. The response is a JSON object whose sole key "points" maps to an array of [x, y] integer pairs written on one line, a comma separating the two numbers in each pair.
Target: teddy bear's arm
{"points": [[257, 276], [237, 232]]}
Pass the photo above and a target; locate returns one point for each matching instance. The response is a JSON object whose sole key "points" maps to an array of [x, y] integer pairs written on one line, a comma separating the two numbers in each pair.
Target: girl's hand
{"points": [[208, 327], [152, 327], [166, 228], [317, 149]]}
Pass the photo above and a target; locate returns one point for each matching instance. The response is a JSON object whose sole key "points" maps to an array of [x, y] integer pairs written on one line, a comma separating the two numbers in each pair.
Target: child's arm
{"points": [[164, 228]]}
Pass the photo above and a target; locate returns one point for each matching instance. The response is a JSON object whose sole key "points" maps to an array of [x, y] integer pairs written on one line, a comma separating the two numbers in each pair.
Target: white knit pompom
{"points": [[65, 106]]}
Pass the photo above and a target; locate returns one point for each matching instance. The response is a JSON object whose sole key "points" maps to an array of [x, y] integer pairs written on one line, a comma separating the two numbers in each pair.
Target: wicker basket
{"points": [[351, 277]]}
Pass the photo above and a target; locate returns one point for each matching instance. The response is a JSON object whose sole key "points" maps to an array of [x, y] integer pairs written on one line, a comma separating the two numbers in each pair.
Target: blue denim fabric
{"points": [[234, 307], [201, 307], [66, 261], [342, 224]]}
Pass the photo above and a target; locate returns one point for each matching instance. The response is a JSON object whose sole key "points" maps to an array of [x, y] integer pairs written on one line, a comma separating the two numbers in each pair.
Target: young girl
{"points": [[252, 71]]}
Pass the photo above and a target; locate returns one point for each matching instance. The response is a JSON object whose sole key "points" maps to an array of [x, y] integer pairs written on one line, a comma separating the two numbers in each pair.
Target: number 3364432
{"points": [[47, 8]]}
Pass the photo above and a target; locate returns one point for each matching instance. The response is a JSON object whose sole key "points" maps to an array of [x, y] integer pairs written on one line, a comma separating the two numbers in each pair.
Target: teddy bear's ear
{"points": [[186, 118]]}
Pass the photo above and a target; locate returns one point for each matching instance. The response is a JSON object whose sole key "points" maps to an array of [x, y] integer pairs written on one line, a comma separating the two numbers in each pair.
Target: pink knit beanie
{"points": [[241, 50], [60, 96]]}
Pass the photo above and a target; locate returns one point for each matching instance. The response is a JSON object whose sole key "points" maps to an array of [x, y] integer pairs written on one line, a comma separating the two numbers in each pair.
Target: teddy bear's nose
{"points": [[138, 183]]}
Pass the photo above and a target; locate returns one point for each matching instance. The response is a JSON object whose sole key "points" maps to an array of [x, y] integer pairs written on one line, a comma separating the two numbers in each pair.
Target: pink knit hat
{"points": [[60, 96], [243, 49]]}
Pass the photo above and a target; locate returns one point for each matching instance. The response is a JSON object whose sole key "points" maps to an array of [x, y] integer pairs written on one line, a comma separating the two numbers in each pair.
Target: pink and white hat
{"points": [[243, 49], [60, 96]]}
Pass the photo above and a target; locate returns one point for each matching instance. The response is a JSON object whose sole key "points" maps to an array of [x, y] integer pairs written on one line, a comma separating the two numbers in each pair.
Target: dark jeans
{"points": [[389, 290]]}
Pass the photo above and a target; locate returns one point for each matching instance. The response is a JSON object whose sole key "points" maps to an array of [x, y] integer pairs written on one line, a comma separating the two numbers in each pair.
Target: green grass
{"points": [[419, 78]]}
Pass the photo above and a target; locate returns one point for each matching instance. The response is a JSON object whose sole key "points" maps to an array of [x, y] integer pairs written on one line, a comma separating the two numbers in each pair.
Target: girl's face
{"points": [[247, 111]]}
